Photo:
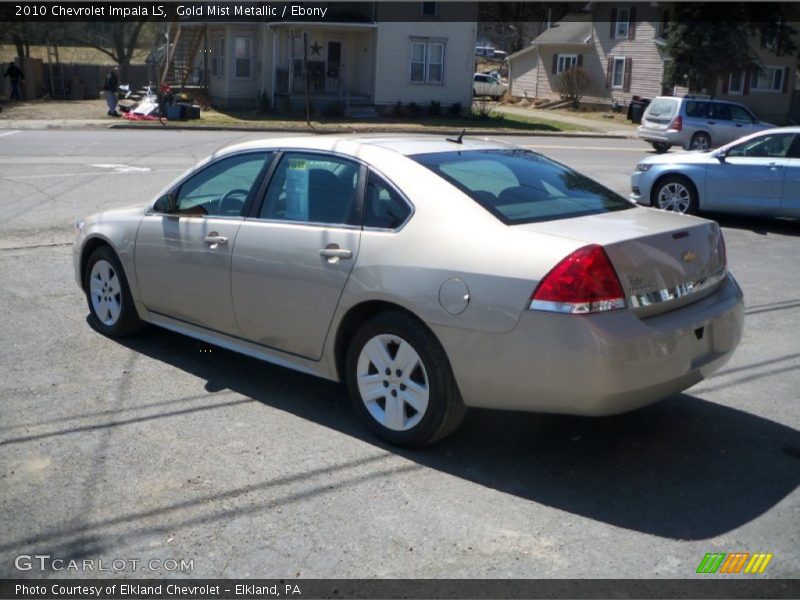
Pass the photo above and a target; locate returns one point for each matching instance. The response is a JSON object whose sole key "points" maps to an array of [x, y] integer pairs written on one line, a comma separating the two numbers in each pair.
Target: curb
{"points": [[370, 130], [43, 125]]}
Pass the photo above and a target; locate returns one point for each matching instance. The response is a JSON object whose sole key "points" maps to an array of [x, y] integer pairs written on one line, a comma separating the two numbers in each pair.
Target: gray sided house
{"points": [[622, 47], [361, 57]]}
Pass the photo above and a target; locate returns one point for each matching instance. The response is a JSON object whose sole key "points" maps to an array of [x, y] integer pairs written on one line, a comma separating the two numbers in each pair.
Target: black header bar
{"points": [[703, 586]]}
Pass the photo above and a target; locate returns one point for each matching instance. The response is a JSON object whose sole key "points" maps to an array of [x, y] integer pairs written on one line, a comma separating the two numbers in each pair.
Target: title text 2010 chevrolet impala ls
{"points": [[428, 274]]}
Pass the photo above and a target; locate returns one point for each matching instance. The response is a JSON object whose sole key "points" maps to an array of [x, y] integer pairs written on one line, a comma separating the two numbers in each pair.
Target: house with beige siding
{"points": [[622, 48], [362, 55]]}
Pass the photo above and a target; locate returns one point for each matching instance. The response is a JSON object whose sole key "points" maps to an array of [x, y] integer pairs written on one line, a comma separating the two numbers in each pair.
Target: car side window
{"points": [[740, 114], [221, 188], [697, 110], [719, 111], [384, 208], [775, 145], [312, 188], [794, 149]]}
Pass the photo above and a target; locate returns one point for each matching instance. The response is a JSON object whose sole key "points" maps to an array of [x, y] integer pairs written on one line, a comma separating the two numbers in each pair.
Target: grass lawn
{"points": [[234, 118]]}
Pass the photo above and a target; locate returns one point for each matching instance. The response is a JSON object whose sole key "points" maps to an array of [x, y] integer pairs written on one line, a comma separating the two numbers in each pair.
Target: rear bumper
{"points": [[596, 365], [663, 136]]}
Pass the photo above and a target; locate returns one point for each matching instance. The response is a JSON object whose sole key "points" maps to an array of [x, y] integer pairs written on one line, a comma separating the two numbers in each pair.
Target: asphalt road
{"points": [[161, 447]]}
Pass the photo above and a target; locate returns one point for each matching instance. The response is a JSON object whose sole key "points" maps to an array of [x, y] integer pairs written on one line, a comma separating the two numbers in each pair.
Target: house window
{"points": [[618, 74], [218, 57], [767, 79], [429, 9], [623, 18], [243, 56], [566, 61], [427, 62], [736, 83]]}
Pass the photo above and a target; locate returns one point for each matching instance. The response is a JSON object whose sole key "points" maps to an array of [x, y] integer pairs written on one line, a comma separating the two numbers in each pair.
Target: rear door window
{"points": [[312, 188], [721, 112]]}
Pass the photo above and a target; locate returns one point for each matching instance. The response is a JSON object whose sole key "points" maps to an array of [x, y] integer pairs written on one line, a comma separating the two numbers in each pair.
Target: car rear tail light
{"points": [[584, 282], [677, 123]]}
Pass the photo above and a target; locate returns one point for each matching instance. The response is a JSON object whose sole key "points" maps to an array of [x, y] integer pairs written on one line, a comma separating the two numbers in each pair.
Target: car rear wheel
{"points": [[661, 147], [676, 194], [700, 141], [401, 383], [111, 308]]}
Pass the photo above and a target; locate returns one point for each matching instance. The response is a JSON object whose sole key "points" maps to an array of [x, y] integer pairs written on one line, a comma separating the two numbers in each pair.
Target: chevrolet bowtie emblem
{"points": [[689, 256]]}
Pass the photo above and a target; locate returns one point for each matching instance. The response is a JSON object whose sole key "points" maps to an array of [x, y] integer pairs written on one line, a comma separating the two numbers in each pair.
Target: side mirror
{"points": [[720, 155], [166, 204]]}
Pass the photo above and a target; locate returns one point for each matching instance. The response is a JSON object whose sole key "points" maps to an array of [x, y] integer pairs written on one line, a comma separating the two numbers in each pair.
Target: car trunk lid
{"points": [[663, 260]]}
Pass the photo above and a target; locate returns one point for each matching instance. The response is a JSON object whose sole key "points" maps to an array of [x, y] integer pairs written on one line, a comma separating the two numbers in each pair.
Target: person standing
{"points": [[15, 74], [110, 91]]}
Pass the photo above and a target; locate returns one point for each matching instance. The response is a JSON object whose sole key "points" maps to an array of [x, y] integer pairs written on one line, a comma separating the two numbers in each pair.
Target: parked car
{"points": [[483, 50], [485, 84], [695, 123], [758, 174], [428, 274]]}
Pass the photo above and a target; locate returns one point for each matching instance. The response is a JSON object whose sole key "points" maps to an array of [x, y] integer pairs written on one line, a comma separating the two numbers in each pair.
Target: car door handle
{"points": [[712, 122], [214, 240], [336, 253], [773, 166]]}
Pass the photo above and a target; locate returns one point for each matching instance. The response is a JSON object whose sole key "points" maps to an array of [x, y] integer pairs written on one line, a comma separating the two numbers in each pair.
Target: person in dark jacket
{"points": [[15, 74], [110, 91]]}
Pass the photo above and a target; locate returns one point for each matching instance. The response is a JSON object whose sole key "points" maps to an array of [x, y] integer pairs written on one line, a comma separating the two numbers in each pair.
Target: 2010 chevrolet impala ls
{"points": [[430, 275]]}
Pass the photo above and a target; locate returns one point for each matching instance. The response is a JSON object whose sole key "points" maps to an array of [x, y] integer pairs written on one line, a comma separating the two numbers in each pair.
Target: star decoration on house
{"points": [[315, 48]]}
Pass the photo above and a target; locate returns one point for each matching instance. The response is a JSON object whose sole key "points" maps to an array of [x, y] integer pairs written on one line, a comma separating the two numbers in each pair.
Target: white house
{"points": [[370, 54], [622, 48]]}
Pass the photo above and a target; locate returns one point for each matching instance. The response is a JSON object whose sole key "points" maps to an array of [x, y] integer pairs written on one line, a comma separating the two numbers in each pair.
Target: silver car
{"points": [[757, 175], [429, 275], [695, 123]]}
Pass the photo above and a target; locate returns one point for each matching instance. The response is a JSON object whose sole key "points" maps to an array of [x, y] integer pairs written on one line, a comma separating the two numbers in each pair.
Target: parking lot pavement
{"points": [[161, 447]]}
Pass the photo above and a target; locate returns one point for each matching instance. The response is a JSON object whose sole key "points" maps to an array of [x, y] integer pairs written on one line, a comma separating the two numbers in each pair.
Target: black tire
{"points": [[128, 322], [673, 183], [700, 141], [445, 409], [661, 147]]}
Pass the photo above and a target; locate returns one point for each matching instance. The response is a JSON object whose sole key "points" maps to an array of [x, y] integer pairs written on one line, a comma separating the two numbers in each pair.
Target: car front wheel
{"points": [[676, 194], [401, 383], [111, 309]]}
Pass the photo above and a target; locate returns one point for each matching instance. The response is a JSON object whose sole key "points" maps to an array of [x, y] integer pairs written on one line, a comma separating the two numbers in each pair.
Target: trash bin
{"points": [[635, 111]]}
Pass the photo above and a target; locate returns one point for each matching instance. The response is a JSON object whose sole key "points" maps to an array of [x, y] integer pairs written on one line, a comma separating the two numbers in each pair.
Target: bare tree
{"points": [[115, 39], [572, 84]]}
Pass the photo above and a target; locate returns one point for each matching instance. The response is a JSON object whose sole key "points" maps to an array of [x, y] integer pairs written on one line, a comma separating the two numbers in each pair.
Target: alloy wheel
{"points": [[674, 197]]}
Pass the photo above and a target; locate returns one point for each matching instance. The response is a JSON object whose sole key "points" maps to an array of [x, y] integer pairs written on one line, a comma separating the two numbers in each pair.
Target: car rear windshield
{"points": [[519, 186], [662, 109]]}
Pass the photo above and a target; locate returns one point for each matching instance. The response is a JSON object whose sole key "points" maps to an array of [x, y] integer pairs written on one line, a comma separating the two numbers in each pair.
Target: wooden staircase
{"points": [[179, 60]]}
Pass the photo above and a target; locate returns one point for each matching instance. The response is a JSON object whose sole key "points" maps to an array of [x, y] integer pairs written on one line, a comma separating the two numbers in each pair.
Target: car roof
{"points": [[361, 145]]}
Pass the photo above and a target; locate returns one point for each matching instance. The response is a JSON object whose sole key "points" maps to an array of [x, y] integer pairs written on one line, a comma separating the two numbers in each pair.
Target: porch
{"points": [[333, 62]]}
